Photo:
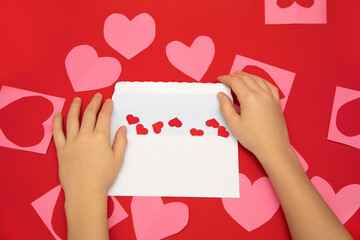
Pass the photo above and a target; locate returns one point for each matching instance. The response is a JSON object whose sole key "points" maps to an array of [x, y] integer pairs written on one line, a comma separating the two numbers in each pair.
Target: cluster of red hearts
{"points": [[175, 122]]}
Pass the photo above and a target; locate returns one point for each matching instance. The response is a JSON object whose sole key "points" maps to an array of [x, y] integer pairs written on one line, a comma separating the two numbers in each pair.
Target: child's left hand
{"points": [[87, 162]]}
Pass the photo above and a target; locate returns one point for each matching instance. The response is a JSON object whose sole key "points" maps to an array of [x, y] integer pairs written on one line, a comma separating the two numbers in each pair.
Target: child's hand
{"points": [[87, 162], [260, 127]]}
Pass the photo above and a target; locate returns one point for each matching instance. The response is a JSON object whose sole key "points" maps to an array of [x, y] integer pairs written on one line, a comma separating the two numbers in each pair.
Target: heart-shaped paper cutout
{"points": [[132, 119], [88, 72], [175, 122], [344, 203], [141, 130], [157, 127], [255, 70], [129, 37], [222, 132], [348, 118], [212, 123], [195, 60], [155, 220], [288, 3], [196, 132], [257, 203], [21, 121]]}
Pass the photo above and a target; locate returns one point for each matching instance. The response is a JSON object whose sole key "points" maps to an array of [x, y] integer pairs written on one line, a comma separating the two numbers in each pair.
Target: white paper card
{"points": [[174, 162]]}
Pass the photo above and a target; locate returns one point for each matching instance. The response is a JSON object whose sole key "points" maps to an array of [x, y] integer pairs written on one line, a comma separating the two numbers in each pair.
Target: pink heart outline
{"points": [[87, 71], [257, 203], [155, 220], [344, 203], [195, 60], [342, 96], [9, 95], [127, 37], [44, 206]]}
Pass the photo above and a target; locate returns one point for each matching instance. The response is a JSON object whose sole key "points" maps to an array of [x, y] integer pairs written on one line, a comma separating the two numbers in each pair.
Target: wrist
{"points": [[80, 199]]}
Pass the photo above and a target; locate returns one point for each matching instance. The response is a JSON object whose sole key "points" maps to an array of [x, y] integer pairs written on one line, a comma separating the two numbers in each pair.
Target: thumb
{"points": [[120, 144], [228, 110]]}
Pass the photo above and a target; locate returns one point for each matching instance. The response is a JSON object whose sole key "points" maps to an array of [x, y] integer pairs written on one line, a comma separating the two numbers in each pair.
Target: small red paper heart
{"points": [[288, 3], [131, 119], [255, 70], [222, 132], [196, 132], [175, 122], [157, 127], [212, 123], [141, 130], [21, 121], [348, 118]]}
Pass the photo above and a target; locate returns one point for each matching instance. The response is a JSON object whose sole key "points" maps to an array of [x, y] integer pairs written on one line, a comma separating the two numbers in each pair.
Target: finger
{"points": [[89, 118], [258, 80], [251, 83], [228, 110], [58, 133], [237, 85], [104, 118], [273, 89], [72, 122], [120, 144]]}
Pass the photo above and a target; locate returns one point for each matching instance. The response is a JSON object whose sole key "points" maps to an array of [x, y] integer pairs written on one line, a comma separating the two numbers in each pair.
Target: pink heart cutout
{"points": [[88, 72], [257, 203], [129, 37], [195, 60], [155, 220], [344, 203]]}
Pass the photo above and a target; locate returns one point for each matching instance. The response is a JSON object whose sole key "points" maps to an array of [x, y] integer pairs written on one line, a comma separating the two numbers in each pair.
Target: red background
{"points": [[37, 35]]}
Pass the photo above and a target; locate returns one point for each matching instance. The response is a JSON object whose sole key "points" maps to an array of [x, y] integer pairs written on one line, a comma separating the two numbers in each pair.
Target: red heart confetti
{"points": [[157, 127], [255, 70], [141, 130], [175, 122], [21, 120], [196, 132], [131, 119], [348, 118], [288, 3], [212, 123], [222, 132]]}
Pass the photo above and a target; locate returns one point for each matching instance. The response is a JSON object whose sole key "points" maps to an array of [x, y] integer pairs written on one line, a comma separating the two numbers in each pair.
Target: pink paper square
{"points": [[9, 95], [295, 13], [283, 78], [45, 205], [342, 96]]}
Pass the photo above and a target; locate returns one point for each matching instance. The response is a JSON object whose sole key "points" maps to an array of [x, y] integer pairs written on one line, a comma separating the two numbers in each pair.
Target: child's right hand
{"points": [[260, 127]]}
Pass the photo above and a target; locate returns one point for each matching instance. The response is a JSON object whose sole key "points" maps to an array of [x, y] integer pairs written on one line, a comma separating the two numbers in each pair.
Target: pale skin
{"points": [[88, 165]]}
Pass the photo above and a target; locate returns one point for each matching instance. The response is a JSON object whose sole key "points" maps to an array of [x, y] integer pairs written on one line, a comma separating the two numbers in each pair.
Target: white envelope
{"points": [[174, 162]]}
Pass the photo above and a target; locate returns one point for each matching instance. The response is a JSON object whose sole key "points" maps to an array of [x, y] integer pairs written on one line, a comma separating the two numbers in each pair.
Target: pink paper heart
{"points": [[195, 60], [88, 72], [344, 203], [257, 203], [154, 220], [129, 37]]}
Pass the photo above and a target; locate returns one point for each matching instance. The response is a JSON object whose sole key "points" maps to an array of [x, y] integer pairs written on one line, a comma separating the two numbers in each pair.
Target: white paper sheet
{"points": [[173, 162]]}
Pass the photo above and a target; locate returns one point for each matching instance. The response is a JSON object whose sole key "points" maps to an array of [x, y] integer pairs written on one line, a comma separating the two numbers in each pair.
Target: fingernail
{"points": [[98, 95], [76, 99], [108, 100], [123, 129], [57, 114], [219, 96]]}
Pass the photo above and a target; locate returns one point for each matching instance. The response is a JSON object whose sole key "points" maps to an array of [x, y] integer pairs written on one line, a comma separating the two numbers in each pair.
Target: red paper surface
{"points": [[36, 37]]}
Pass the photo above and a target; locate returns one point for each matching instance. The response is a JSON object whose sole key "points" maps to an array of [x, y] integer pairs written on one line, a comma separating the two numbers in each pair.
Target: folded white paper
{"points": [[178, 141]]}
